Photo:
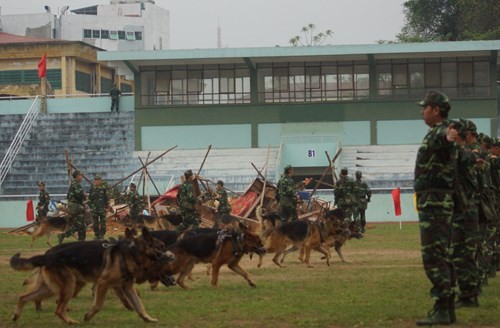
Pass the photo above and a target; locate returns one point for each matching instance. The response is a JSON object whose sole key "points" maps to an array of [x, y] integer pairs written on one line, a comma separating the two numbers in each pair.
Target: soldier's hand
{"points": [[451, 133]]}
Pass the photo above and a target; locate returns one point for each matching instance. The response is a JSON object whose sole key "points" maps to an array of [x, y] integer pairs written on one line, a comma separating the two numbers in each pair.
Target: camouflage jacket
{"points": [[135, 202], [98, 197], [287, 191], [75, 193], [344, 191], [223, 202], [44, 199], [466, 172], [436, 162], [185, 196], [114, 92], [362, 193]]}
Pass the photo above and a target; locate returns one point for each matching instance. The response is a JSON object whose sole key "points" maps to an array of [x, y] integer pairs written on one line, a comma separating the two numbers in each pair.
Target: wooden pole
{"points": [[208, 180], [324, 173], [149, 176], [154, 160]]}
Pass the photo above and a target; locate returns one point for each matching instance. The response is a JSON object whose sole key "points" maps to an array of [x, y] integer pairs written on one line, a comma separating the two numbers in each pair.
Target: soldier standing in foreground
{"points": [[76, 211], [98, 198], [362, 195], [134, 201], [223, 208], [344, 194], [434, 178]]}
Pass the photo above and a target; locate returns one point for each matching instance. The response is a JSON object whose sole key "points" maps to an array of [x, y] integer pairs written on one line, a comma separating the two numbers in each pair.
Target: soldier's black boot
{"points": [[439, 315], [451, 308], [467, 302]]}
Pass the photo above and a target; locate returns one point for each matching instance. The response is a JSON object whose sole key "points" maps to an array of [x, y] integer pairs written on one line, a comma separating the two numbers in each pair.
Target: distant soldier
{"points": [[362, 195], [187, 200], [115, 93], [223, 208], [344, 194], [98, 197], [287, 194], [43, 202], [76, 211], [135, 203]]}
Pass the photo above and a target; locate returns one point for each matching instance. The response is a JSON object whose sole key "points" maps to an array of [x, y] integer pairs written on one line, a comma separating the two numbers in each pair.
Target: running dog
{"points": [[48, 226], [65, 269], [304, 234], [217, 248]]}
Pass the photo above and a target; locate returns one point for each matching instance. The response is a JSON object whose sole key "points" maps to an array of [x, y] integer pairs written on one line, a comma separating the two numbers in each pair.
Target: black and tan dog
{"points": [[303, 234], [48, 226], [65, 269], [217, 248]]}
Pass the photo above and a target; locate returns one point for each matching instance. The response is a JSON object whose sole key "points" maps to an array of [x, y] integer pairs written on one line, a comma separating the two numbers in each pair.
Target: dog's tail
{"points": [[26, 264]]}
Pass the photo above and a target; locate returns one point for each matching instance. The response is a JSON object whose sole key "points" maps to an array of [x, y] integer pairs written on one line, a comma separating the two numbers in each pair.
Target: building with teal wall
{"points": [[348, 95]]}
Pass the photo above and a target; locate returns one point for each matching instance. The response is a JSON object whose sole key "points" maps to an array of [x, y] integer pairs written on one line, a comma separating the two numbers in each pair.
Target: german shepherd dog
{"points": [[65, 269], [216, 248], [301, 234]]}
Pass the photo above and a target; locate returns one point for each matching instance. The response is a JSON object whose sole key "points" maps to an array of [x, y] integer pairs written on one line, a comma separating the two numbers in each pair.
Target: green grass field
{"points": [[384, 285]]}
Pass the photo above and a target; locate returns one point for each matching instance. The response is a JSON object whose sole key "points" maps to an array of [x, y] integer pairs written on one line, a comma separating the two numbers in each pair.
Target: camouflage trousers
{"points": [[435, 211], [77, 213], [464, 243], [358, 216], [288, 213], [348, 212], [99, 219], [486, 249], [190, 219]]}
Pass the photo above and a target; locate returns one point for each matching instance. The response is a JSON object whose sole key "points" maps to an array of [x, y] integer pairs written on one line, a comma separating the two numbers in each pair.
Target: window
{"points": [[104, 34], [87, 34], [130, 35], [121, 35], [96, 34], [138, 35], [113, 35]]}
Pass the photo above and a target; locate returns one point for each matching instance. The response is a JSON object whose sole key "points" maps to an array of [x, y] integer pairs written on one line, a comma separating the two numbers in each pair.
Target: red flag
{"points": [[30, 214], [396, 197], [42, 66]]}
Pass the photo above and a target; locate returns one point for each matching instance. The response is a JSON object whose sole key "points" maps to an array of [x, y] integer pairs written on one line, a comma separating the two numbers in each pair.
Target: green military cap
{"points": [[76, 173], [188, 173], [132, 185], [436, 98], [41, 183], [358, 174], [287, 168], [469, 125], [97, 177], [344, 171], [220, 182]]}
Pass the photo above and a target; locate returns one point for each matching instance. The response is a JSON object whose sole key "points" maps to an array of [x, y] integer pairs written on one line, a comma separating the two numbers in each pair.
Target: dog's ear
{"points": [[146, 234]]}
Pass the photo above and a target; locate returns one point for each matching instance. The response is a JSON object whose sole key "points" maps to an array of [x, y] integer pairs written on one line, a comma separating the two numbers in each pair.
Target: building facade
{"points": [[352, 95], [120, 26]]}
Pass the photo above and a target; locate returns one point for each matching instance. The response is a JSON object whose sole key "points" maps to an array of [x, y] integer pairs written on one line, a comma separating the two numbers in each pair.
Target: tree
{"points": [[310, 38], [450, 20]]}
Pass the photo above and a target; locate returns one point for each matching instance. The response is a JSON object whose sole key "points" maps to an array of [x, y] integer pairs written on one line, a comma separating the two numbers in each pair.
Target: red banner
{"points": [[396, 197], [30, 214], [42, 66]]}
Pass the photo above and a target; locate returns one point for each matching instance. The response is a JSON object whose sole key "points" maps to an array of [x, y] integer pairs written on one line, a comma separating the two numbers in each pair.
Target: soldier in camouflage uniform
{"points": [[43, 202], [487, 215], [495, 178], [187, 201], [344, 194], [465, 226], [362, 195], [115, 93], [434, 179], [287, 195], [98, 197], [223, 208], [76, 211], [135, 203]]}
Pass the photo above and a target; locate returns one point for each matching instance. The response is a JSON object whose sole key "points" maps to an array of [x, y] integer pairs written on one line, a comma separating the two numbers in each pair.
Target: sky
{"points": [[257, 23]]}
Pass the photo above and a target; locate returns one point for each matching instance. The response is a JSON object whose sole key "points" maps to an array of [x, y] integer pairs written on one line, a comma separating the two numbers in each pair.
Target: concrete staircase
{"points": [[96, 142], [233, 166]]}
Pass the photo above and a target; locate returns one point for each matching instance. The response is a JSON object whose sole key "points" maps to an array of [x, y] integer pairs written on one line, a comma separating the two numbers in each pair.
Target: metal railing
{"points": [[19, 138]]}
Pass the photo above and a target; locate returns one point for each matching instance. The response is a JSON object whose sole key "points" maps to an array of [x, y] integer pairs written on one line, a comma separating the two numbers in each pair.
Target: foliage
{"points": [[310, 37], [383, 286], [450, 20]]}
